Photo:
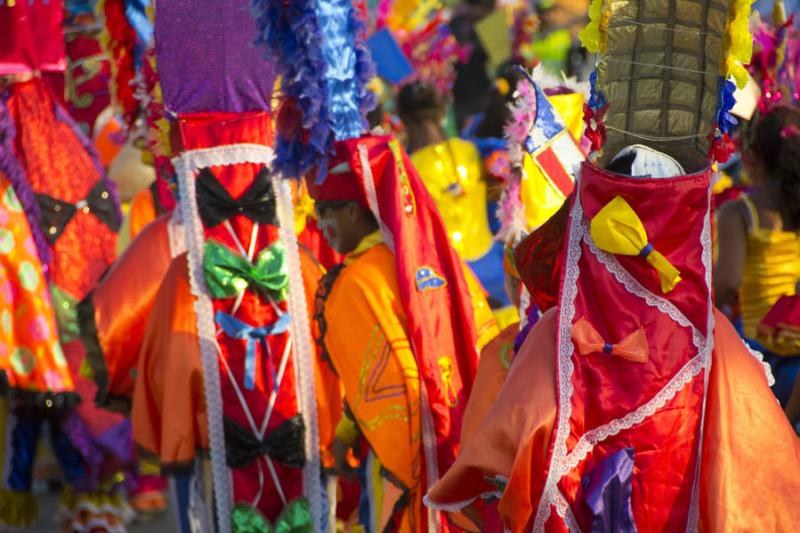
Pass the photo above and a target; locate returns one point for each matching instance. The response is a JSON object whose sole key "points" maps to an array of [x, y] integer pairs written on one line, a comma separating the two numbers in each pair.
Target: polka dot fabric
{"points": [[30, 354]]}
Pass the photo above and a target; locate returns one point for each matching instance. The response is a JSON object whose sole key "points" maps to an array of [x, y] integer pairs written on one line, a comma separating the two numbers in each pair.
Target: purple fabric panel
{"points": [[207, 59], [608, 489]]}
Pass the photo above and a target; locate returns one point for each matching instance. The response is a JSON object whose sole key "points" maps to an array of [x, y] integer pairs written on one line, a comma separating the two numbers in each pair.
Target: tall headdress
{"points": [[670, 72], [238, 219], [636, 270]]}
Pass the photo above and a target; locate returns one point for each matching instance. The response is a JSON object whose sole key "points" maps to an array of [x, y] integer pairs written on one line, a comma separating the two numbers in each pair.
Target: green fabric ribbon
{"points": [[295, 518], [228, 274], [66, 311]]}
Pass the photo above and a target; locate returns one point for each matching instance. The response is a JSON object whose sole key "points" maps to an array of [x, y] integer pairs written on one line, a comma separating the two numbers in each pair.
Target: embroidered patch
{"points": [[428, 279]]}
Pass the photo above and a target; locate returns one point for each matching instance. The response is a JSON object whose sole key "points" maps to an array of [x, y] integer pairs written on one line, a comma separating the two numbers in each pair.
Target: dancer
{"points": [[599, 423], [406, 305]]}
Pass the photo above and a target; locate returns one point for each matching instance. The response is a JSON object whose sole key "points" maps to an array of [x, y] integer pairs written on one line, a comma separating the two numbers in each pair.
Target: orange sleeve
{"points": [[113, 327], [169, 412]]}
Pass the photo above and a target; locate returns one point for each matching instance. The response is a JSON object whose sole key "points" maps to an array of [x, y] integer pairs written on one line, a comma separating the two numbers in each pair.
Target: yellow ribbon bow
{"points": [[633, 348], [618, 230]]}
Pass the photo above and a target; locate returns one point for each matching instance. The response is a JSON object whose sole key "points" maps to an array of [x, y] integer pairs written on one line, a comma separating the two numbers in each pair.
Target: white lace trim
{"points": [[186, 165], [590, 439], [693, 520], [565, 512], [564, 360], [760, 358], [228, 154], [561, 461], [372, 196], [303, 350], [176, 233]]}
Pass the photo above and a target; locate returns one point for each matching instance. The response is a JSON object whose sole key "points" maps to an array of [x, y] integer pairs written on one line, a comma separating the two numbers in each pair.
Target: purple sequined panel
{"points": [[206, 57]]}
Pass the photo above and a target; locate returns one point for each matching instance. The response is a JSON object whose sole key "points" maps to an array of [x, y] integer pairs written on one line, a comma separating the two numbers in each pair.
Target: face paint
{"points": [[329, 226]]}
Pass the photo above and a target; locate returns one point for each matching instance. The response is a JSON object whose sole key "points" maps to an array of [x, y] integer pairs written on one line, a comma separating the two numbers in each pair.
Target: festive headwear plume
{"points": [[126, 34], [422, 32], [543, 134], [324, 68], [775, 64]]}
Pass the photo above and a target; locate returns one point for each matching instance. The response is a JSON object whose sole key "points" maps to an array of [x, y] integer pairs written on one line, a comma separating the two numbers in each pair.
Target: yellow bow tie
{"points": [[632, 348], [617, 229]]}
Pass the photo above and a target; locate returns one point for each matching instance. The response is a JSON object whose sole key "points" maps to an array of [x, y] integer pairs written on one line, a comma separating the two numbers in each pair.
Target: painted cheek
{"points": [[329, 231]]}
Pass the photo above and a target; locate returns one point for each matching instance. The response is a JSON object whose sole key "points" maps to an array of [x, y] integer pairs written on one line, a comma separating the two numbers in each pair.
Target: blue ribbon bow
{"points": [[236, 329]]}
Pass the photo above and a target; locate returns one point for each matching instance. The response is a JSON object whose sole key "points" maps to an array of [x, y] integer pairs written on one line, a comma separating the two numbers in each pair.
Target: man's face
{"points": [[333, 220]]}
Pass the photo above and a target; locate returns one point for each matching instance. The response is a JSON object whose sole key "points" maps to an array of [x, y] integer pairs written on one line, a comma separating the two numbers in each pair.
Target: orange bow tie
{"points": [[632, 348]]}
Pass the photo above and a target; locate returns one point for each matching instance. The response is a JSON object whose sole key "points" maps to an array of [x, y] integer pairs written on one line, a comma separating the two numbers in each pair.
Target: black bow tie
{"points": [[56, 214], [285, 444], [216, 205]]}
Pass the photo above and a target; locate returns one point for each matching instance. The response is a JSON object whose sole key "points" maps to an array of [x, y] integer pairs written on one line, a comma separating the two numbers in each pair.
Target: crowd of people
{"points": [[336, 265]]}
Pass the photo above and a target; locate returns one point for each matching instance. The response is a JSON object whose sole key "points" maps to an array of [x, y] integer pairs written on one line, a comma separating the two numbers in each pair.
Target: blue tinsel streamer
{"points": [[290, 32], [725, 120]]}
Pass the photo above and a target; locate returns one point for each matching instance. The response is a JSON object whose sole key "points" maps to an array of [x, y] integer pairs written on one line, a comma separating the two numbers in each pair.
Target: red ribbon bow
{"points": [[633, 348]]}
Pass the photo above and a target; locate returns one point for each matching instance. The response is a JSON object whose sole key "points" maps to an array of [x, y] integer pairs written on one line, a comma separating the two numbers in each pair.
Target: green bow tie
{"points": [[228, 273], [295, 518]]}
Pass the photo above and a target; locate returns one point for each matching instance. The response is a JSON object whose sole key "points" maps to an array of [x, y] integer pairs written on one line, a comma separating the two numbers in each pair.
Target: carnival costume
{"points": [[76, 218], [405, 368], [625, 406], [235, 306]]}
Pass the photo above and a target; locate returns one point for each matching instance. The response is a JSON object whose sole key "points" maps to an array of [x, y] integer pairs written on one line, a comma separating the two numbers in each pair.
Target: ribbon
{"points": [[237, 329], [56, 214], [617, 229], [633, 348], [295, 518], [228, 274], [216, 205], [285, 444]]}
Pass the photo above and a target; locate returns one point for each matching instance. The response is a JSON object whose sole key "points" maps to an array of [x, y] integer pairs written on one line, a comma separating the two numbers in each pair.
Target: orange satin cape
{"points": [[748, 475]]}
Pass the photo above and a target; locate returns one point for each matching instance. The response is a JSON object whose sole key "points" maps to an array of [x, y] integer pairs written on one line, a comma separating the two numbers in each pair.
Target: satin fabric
{"points": [[141, 212], [751, 457], [441, 321], [606, 389], [495, 361], [379, 372], [122, 303], [31, 38], [452, 171], [204, 130]]}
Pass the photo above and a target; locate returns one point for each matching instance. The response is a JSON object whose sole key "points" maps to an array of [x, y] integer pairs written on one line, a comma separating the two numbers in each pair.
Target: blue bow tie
{"points": [[236, 329]]}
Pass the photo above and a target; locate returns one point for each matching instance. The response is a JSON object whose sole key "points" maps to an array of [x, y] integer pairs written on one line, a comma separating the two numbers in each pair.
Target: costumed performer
{"points": [[77, 215], [759, 247], [402, 324], [601, 423]]}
